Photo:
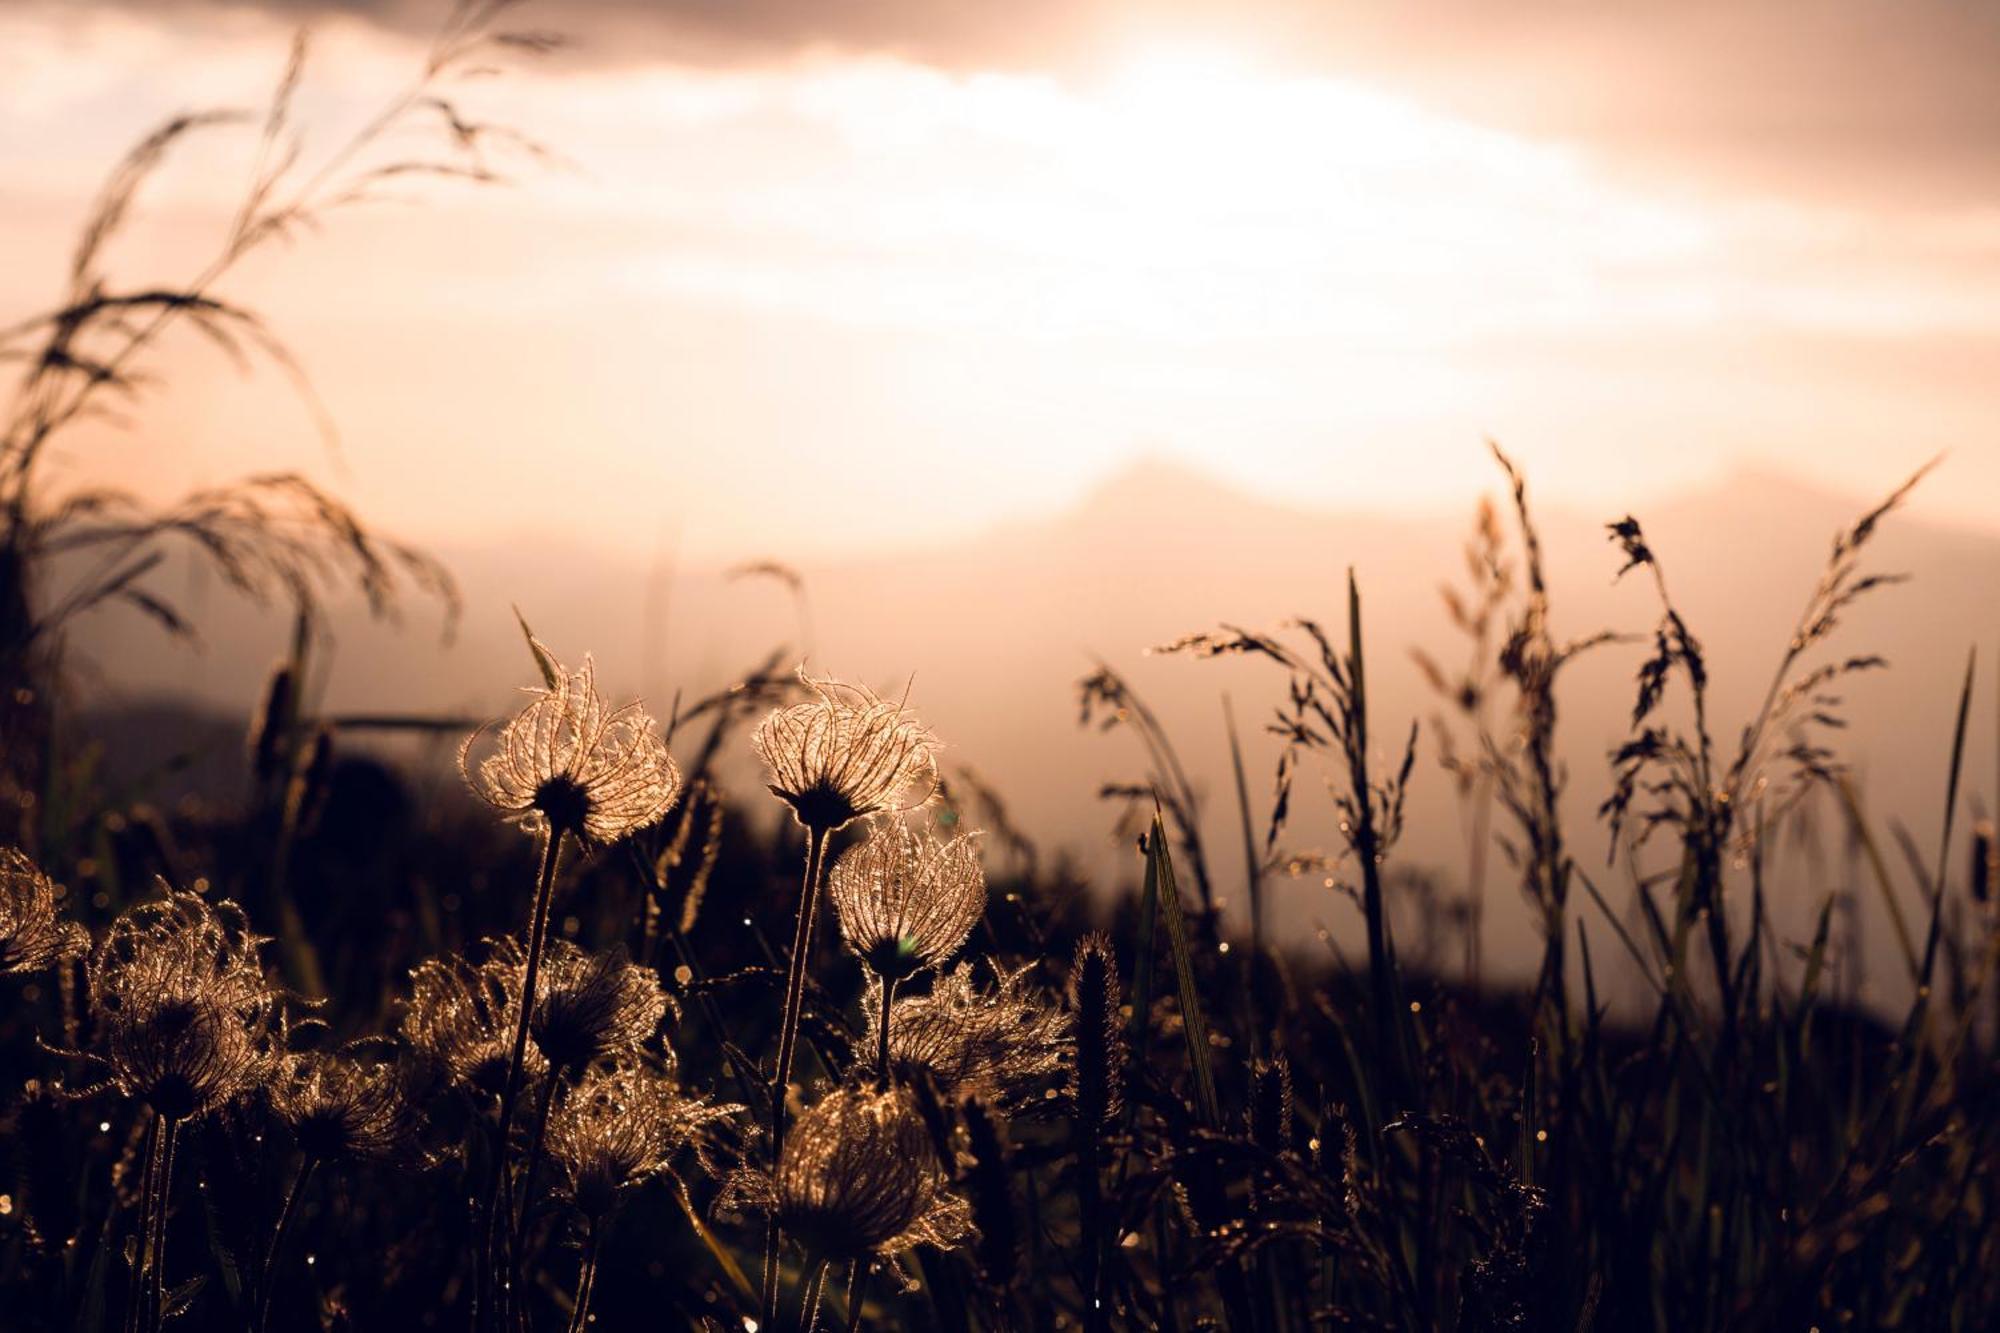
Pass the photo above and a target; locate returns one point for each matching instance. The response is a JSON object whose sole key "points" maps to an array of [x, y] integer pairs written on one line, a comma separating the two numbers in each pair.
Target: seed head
{"points": [[1096, 1080], [566, 764], [33, 934], [858, 1179], [460, 1018], [182, 1012], [996, 1045], [591, 1007], [341, 1108], [844, 755], [620, 1125], [905, 901]]}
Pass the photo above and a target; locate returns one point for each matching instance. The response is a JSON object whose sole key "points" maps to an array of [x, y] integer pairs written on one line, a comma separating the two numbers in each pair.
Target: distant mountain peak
{"points": [[1163, 487]]}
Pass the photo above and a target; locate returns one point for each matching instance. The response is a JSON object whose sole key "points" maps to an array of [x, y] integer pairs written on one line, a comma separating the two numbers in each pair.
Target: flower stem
{"points": [[266, 1284], [538, 929], [795, 984], [856, 1272], [580, 1317], [788, 1037], [147, 1190], [882, 1029], [809, 1295], [156, 1275], [528, 1172]]}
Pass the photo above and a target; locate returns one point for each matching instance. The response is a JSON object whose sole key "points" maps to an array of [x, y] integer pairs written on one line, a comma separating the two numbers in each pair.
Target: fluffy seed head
{"points": [[858, 1179], [182, 1012], [905, 901], [996, 1045], [344, 1109], [844, 755], [591, 1007], [620, 1125], [567, 764], [461, 1015], [33, 934]]}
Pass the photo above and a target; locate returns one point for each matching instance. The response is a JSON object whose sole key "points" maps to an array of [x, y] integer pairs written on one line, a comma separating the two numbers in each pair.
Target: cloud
{"points": [[1884, 106]]}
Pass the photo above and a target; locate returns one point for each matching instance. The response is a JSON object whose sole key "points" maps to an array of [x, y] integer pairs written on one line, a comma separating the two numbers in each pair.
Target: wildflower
{"points": [[33, 934], [182, 1010], [340, 1108], [844, 755], [858, 1180], [567, 764], [619, 1126], [995, 1044], [591, 1007], [906, 902], [460, 1018]]}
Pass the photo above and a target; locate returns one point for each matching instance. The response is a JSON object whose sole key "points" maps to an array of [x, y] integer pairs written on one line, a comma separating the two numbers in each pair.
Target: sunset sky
{"points": [[835, 277]]}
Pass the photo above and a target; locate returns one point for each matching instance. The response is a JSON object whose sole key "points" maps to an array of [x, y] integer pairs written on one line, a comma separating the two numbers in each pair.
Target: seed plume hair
{"points": [[460, 1017], [33, 933], [996, 1044], [622, 1124], [591, 1007], [568, 764], [344, 1107], [182, 1013], [858, 1179], [906, 901], [845, 754]]}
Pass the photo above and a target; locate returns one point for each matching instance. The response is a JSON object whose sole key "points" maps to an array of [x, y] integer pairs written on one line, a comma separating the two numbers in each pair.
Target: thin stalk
{"points": [[857, 1274], [147, 1190], [788, 1037], [795, 983], [534, 1164], [266, 1286], [810, 1294], [538, 929], [156, 1282], [882, 1034], [579, 1318]]}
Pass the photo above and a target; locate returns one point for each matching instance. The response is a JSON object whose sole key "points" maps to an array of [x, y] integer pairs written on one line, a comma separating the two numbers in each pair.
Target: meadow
{"points": [[601, 1035]]}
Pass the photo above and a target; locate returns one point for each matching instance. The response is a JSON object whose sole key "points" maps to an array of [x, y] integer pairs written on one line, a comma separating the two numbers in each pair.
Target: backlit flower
{"points": [[567, 764], [461, 1015], [995, 1044], [33, 934], [182, 1012], [620, 1125], [844, 754], [591, 1007], [906, 901], [858, 1179], [344, 1109]]}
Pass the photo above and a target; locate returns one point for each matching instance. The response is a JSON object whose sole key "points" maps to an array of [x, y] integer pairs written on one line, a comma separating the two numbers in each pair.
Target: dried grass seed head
{"points": [[620, 1125], [33, 933], [182, 1011], [568, 764], [996, 1044], [844, 755], [591, 1007], [858, 1179], [906, 901]]}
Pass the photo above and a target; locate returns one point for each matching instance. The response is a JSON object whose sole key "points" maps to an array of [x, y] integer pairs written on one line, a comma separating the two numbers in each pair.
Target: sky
{"points": [[809, 278]]}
